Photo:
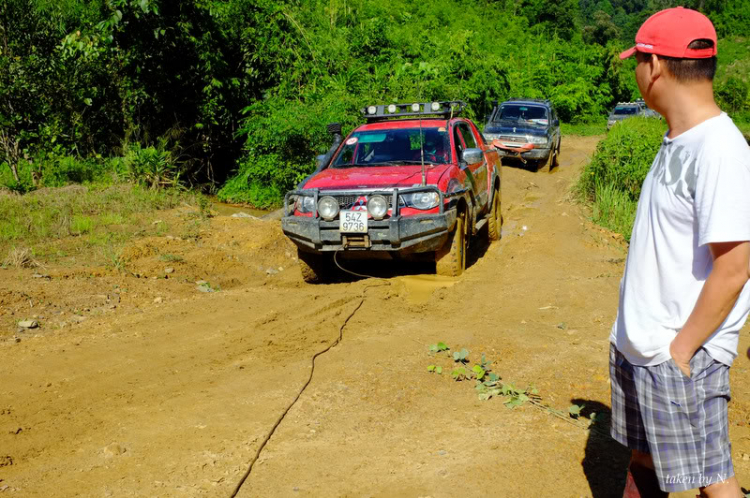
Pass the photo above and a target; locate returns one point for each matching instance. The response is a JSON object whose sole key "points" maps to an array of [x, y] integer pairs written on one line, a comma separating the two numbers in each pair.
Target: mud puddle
{"points": [[419, 288]]}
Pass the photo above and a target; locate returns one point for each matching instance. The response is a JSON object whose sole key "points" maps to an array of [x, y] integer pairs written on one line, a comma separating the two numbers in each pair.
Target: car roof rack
{"points": [[538, 101], [444, 109]]}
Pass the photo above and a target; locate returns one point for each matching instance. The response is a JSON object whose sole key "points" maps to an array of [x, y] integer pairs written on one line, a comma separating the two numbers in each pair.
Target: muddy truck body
{"points": [[414, 181]]}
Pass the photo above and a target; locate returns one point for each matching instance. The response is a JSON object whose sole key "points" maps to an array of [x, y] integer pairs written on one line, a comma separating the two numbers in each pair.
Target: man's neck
{"points": [[687, 106]]}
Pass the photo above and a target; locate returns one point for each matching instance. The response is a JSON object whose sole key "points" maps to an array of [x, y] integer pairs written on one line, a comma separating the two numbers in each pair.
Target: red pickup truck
{"points": [[415, 181]]}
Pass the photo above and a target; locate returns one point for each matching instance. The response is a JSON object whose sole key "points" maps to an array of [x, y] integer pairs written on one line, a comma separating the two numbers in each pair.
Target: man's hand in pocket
{"points": [[681, 360]]}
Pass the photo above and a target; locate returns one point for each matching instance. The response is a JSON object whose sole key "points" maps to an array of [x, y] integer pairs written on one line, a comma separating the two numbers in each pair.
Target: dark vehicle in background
{"points": [[526, 129], [625, 110]]}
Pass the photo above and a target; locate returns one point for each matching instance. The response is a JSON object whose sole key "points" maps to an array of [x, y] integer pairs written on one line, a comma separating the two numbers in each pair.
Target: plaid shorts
{"points": [[682, 422]]}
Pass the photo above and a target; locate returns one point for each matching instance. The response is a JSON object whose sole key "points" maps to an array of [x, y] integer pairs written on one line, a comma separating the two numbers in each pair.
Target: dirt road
{"points": [[139, 383]]}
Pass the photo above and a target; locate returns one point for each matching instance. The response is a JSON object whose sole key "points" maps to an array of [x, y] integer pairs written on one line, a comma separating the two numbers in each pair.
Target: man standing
{"points": [[683, 298]]}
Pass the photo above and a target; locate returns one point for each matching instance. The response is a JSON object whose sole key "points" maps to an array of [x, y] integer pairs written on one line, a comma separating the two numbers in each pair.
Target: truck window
{"points": [[467, 135]]}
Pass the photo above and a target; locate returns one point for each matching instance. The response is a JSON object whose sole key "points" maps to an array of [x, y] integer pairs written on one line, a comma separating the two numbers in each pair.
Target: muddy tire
{"points": [[544, 165], [555, 161], [314, 267], [495, 217], [450, 260]]}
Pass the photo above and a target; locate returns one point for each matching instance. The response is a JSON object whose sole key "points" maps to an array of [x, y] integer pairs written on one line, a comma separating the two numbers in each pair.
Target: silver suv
{"points": [[625, 110]]}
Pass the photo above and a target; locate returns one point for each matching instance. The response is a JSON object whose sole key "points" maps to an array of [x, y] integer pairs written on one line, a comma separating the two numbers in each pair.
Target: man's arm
{"points": [[730, 272]]}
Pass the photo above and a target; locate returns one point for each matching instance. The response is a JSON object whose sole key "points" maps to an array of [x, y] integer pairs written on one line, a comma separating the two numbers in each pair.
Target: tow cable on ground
{"points": [[309, 379]]}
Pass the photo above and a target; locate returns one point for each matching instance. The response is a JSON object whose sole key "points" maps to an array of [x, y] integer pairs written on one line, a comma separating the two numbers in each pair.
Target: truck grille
{"points": [[347, 201], [514, 139]]}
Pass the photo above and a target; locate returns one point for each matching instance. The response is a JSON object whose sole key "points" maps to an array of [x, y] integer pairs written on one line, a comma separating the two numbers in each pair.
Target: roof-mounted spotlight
{"points": [[415, 108], [392, 108], [372, 109], [435, 106]]}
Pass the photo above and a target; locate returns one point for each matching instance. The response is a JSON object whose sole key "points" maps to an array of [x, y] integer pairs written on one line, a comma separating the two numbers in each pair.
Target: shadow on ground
{"points": [[606, 461], [533, 166], [384, 266]]}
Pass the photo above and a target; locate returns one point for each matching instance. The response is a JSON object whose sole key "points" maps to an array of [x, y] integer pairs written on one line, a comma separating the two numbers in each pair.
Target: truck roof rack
{"points": [[538, 101], [443, 109]]}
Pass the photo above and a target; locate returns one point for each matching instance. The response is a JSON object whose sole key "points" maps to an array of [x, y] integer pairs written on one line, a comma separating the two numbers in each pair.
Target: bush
{"points": [[151, 166], [49, 169], [57, 171], [612, 180]]}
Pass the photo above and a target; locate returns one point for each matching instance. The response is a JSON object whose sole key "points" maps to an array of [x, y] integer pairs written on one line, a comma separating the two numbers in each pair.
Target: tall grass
{"points": [[94, 216], [587, 129], [614, 209], [612, 181]]}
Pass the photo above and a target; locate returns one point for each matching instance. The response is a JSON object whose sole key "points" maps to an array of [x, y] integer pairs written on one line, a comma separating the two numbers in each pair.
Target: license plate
{"points": [[353, 221]]}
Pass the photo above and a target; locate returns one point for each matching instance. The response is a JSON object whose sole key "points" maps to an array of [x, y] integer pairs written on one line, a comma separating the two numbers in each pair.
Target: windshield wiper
{"points": [[355, 165], [407, 161], [382, 163]]}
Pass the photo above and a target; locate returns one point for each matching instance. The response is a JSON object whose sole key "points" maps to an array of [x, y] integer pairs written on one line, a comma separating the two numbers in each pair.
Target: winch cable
{"points": [[335, 261], [335, 343], [299, 394]]}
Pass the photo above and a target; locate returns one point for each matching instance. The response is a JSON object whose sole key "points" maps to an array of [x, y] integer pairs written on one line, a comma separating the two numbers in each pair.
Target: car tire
{"points": [[450, 260], [543, 165], [314, 267], [555, 160], [495, 217]]}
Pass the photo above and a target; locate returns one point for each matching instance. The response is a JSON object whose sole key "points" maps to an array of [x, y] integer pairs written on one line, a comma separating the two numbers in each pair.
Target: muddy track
{"points": [[174, 398]]}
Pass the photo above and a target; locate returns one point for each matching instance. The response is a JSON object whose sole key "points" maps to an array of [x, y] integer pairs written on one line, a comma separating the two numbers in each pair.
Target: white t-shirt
{"points": [[697, 192]]}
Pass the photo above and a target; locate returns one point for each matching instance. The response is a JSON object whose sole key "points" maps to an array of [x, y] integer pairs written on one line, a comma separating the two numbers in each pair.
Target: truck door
{"points": [[478, 170]]}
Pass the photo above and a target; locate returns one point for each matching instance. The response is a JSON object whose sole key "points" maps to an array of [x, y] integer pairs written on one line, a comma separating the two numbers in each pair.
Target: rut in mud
{"points": [[142, 386]]}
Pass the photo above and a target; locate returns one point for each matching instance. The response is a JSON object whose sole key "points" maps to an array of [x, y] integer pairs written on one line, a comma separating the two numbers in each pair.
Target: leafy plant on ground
{"points": [[487, 382], [575, 410]]}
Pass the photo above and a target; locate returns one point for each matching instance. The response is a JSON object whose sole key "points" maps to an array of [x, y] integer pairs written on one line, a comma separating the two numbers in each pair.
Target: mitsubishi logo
{"points": [[360, 204]]}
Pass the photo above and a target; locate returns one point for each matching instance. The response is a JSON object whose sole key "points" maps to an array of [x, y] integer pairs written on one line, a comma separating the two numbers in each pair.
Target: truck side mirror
{"points": [[472, 156]]}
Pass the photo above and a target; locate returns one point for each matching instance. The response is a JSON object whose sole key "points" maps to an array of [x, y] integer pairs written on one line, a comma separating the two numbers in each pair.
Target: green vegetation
{"points": [[586, 129], [233, 95], [96, 217], [612, 180]]}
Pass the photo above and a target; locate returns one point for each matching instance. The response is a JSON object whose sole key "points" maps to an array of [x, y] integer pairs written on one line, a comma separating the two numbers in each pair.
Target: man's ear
{"points": [[656, 67]]}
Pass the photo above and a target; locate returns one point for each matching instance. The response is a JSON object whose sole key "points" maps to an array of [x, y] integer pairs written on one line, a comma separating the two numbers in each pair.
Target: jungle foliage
{"points": [[236, 93]]}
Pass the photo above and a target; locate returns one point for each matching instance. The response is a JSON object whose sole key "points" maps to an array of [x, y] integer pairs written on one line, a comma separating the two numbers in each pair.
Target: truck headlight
{"points": [[305, 204], [422, 200], [377, 206], [536, 140], [328, 207]]}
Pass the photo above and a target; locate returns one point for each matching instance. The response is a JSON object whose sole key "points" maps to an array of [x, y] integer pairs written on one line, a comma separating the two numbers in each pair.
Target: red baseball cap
{"points": [[669, 33]]}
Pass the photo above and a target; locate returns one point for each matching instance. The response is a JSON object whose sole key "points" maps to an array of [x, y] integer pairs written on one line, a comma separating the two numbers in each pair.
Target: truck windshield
{"points": [[527, 113], [394, 147], [621, 111]]}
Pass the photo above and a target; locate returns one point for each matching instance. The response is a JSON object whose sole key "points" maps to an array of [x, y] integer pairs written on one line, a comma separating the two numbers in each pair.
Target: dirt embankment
{"points": [[140, 382]]}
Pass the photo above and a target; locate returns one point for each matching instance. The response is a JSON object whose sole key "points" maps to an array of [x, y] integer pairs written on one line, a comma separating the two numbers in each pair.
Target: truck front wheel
{"points": [[451, 258], [495, 217], [314, 267]]}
